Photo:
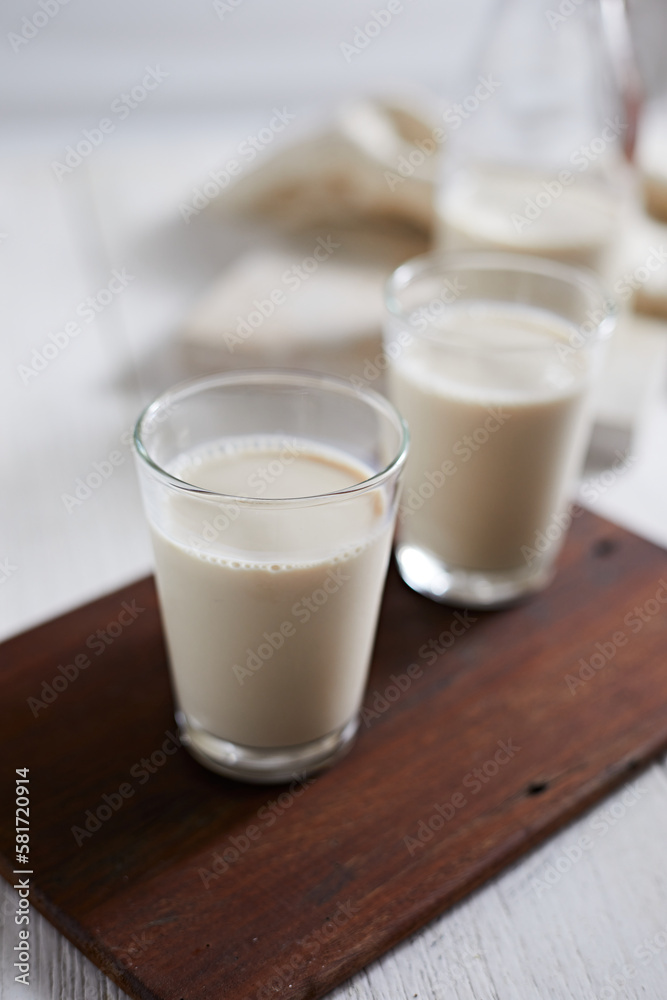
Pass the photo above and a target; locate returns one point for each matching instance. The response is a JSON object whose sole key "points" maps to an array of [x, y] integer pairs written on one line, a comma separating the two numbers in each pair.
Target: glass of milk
{"points": [[271, 498], [491, 361]]}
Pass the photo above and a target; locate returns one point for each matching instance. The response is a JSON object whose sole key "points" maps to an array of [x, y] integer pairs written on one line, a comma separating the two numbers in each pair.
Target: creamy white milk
{"points": [[494, 411], [495, 208], [270, 614]]}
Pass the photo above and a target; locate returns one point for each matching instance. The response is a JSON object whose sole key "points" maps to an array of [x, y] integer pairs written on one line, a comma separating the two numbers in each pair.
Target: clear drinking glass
{"points": [[271, 498], [491, 361], [535, 145]]}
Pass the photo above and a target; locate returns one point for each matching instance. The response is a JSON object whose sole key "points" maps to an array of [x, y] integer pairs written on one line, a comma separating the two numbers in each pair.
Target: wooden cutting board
{"points": [[482, 734]]}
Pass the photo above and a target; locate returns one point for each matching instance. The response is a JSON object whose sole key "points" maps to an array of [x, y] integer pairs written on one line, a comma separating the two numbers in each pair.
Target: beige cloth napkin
{"points": [[340, 209]]}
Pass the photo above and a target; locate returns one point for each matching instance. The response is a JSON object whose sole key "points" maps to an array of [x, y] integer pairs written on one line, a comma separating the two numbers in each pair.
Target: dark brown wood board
{"points": [[194, 887]]}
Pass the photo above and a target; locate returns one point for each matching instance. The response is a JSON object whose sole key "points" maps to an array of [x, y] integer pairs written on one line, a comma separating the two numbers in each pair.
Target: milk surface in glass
{"points": [[270, 616], [499, 208], [494, 395]]}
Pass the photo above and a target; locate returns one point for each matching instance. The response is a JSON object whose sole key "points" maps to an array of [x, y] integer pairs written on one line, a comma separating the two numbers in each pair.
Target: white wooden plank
{"points": [[62, 419]]}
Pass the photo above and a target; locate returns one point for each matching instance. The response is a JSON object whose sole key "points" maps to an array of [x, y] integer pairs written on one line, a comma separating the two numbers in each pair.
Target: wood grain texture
{"points": [[325, 883], [509, 940]]}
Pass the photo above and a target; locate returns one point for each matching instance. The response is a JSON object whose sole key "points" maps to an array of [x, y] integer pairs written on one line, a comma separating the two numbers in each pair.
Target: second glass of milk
{"points": [[491, 361], [271, 498]]}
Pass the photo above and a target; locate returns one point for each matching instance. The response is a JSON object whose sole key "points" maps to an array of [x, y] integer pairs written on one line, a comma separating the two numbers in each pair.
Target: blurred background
{"points": [[243, 56], [230, 58]]}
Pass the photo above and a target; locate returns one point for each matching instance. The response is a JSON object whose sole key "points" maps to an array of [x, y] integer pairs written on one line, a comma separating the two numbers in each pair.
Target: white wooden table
{"points": [[556, 925]]}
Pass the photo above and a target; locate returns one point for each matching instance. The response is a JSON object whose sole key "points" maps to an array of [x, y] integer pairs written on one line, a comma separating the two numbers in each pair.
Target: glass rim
{"points": [[446, 262], [271, 377]]}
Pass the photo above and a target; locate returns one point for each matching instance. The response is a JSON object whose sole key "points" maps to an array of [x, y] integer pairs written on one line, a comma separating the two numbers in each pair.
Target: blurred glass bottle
{"points": [[535, 145]]}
